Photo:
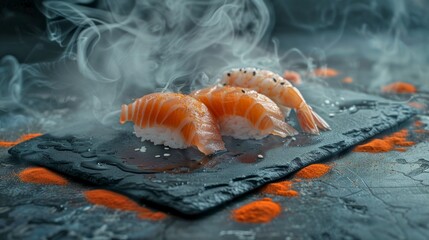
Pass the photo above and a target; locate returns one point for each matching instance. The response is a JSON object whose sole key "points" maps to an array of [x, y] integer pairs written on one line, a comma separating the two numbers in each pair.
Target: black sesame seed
{"points": [[275, 80], [245, 71], [243, 91], [240, 69], [254, 73], [282, 83], [229, 74], [224, 84]]}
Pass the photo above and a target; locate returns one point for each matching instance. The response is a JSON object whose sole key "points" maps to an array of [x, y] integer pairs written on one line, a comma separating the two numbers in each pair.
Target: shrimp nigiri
{"points": [[280, 91], [175, 120], [244, 113]]}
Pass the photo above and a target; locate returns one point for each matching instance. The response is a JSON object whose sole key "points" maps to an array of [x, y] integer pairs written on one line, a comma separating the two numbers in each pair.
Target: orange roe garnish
{"points": [[399, 87], [347, 80], [416, 105], [23, 138], [283, 188], [325, 72], [41, 175], [400, 149], [418, 123], [7, 144], [292, 77], [117, 201], [375, 146], [313, 171], [29, 136], [387, 143], [260, 211]]}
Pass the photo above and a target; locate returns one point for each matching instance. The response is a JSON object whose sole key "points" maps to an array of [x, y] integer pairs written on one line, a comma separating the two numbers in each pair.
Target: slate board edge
{"points": [[184, 206], [285, 170]]}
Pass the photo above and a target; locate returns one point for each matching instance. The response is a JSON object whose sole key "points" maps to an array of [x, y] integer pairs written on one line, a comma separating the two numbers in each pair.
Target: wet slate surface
{"points": [[188, 183], [365, 196], [383, 196]]}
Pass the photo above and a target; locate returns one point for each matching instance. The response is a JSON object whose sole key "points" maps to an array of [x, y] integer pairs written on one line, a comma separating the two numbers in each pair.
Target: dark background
{"points": [[365, 196], [23, 26]]}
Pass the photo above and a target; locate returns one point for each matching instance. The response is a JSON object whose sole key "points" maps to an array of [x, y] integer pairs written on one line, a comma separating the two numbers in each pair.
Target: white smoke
{"points": [[120, 50], [376, 41], [130, 48]]}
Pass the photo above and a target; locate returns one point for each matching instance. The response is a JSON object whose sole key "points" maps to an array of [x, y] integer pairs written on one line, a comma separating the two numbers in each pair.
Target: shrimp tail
{"points": [[306, 120], [320, 122], [283, 129]]}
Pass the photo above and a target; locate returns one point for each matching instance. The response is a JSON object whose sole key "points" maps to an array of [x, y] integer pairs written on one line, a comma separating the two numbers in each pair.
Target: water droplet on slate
{"points": [[353, 109]]}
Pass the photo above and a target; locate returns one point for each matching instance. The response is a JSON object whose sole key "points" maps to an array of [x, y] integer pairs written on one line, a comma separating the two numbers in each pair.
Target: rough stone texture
{"points": [[189, 183], [383, 196], [365, 196]]}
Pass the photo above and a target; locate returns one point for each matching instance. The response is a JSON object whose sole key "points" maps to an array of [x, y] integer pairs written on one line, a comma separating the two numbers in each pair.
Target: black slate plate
{"points": [[191, 183]]}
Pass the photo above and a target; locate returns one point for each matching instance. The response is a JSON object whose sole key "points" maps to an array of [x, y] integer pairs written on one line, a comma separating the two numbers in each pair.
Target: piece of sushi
{"points": [[244, 113], [281, 92], [174, 120]]}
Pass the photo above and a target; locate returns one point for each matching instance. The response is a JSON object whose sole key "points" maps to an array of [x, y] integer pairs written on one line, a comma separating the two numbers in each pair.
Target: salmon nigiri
{"points": [[281, 92], [244, 113], [175, 120]]}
